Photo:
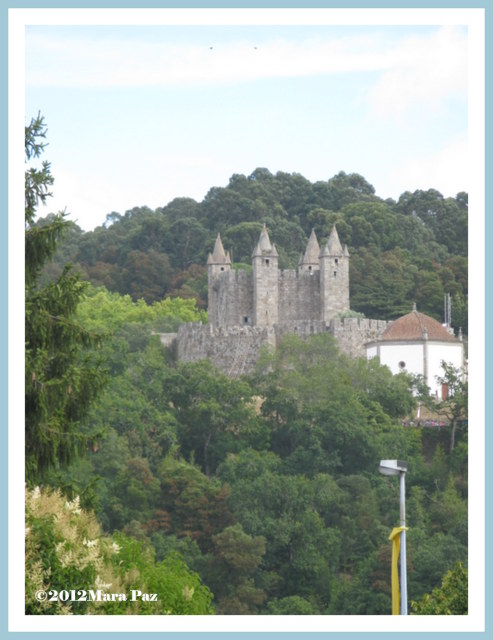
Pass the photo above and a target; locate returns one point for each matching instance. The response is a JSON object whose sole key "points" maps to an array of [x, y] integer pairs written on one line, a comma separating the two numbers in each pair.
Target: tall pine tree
{"points": [[63, 371]]}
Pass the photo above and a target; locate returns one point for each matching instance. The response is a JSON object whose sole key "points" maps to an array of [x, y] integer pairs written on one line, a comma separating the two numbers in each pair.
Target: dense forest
{"points": [[256, 495], [412, 250]]}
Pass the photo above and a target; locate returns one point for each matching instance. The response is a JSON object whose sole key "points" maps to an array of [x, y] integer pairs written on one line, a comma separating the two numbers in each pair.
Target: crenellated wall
{"points": [[267, 296], [296, 297], [353, 333], [235, 350], [232, 350], [248, 310]]}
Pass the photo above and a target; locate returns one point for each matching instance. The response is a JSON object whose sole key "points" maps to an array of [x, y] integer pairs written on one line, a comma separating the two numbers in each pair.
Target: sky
{"points": [[139, 115]]}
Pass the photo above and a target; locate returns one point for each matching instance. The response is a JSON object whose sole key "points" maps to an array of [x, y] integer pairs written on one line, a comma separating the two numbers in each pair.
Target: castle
{"points": [[315, 293], [248, 310]]}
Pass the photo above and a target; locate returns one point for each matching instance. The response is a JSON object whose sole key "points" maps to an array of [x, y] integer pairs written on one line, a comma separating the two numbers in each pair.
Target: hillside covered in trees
{"points": [[412, 250], [267, 487], [256, 495]]}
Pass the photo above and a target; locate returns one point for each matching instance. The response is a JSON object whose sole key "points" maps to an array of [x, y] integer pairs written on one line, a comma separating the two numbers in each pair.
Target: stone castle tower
{"points": [[248, 311], [268, 297], [251, 311]]}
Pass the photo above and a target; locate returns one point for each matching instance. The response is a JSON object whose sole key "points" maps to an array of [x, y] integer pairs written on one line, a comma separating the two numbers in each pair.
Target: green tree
{"points": [[382, 284], [214, 413], [455, 405], [325, 410], [301, 550], [448, 599], [400, 252], [430, 557], [427, 205], [190, 283], [451, 227], [62, 369], [196, 505], [448, 510], [66, 549], [109, 312], [186, 242], [232, 571], [460, 313], [429, 292], [291, 606], [342, 189], [146, 275]]}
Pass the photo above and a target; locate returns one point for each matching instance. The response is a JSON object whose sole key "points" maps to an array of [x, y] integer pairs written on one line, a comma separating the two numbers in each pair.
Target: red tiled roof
{"points": [[412, 326]]}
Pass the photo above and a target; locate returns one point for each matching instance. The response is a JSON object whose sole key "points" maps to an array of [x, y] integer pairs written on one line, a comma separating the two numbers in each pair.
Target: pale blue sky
{"points": [[141, 115]]}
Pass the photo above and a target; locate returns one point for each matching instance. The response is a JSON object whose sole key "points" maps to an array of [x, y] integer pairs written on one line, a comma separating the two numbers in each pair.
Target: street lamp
{"points": [[399, 468]]}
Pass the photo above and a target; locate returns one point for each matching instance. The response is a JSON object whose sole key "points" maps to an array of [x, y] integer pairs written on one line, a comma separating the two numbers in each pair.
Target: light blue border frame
{"points": [[469, 4]]}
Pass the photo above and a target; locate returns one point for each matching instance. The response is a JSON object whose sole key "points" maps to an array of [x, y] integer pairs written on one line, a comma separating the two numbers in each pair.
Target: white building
{"points": [[418, 344]]}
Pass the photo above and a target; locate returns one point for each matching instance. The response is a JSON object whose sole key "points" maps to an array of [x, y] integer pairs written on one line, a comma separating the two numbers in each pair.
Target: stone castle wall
{"points": [[250, 310], [299, 296], [232, 350], [233, 299], [353, 333], [266, 297], [235, 350]]}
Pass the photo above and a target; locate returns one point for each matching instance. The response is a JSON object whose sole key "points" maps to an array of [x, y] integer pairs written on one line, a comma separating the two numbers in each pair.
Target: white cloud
{"points": [[88, 198], [415, 68], [59, 60], [446, 170], [426, 70], [90, 62], [422, 71]]}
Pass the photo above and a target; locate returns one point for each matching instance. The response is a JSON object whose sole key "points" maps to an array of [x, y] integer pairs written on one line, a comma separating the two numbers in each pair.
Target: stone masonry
{"points": [[250, 310], [316, 292]]}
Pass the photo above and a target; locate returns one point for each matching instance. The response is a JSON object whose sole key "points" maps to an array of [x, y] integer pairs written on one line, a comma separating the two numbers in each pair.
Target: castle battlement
{"points": [[358, 324], [235, 350], [268, 296], [292, 274], [236, 275], [250, 310]]}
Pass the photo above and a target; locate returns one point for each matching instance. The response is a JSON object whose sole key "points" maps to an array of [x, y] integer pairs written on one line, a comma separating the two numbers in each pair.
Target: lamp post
{"points": [[399, 468]]}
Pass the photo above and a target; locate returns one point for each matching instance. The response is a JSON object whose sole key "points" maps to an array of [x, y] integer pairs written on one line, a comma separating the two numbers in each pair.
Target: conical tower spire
{"points": [[334, 244], [264, 246], [219, 256], [310, 260]]}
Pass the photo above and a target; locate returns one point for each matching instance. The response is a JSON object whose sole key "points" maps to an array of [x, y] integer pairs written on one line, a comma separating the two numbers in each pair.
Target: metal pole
{"points": [[403, 544]]}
